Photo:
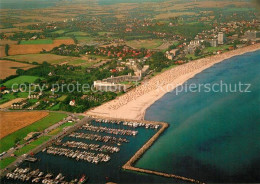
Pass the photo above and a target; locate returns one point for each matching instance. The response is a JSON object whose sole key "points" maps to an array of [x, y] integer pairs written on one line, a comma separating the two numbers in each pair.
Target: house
{"points": [[72, 103], [34, 95]]}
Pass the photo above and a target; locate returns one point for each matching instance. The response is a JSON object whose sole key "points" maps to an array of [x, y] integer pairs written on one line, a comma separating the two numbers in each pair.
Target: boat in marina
{"points": [[83, 179]]}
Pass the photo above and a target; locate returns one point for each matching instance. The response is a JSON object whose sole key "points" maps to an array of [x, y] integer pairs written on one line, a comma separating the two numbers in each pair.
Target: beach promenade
{"points": [[134, 103]]}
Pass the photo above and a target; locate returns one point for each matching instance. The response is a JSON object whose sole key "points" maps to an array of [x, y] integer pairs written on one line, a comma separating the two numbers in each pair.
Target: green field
{"points": [[40, 58], [148, 44], [41, 41], [9, 141], [20, 80], [60, 128], [77, 33], [11, 96], [5, 162], [63, 38], [62, 98], [31, 145], [215, 49]]}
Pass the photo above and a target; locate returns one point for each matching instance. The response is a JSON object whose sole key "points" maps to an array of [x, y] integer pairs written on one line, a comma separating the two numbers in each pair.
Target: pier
{"points": [[129, 165]]}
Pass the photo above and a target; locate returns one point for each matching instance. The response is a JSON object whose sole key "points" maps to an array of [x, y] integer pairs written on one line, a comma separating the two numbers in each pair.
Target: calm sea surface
{"points": [[214, 137]]}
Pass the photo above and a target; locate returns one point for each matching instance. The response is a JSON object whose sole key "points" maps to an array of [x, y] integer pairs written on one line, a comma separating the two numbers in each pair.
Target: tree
{"points": [[197, 52], [6, 49]]}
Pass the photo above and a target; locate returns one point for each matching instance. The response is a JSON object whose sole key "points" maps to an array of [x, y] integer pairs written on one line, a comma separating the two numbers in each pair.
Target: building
{"points": [[108, 86], [221, 38], [252, 35], [213, 42], [122, 78]]}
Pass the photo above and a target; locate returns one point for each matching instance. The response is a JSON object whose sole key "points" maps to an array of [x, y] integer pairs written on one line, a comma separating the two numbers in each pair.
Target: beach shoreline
{"points": [[133, 104]]}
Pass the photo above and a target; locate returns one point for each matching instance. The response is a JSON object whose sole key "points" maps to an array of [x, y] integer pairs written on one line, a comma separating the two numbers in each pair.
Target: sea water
{"points": [[213, 136]]}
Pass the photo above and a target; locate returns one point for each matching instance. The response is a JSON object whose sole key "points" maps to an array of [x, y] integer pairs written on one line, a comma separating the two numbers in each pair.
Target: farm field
{"points": [[40, 58], [20, 80], [9, 103], [13, 121], [148, 44], [6, 98], [36, 48], [37, 125], [8, 68], [40, 41], [9, 42]]}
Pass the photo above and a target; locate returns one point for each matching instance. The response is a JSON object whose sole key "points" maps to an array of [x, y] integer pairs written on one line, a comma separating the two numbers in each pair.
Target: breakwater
{"points": [[129, 165]]}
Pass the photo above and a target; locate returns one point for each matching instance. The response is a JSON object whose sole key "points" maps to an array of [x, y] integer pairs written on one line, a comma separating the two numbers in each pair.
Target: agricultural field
{"points": [[8, 68], [148, 44], [37, 47], [13, 121], [20, 80], [40, 41], [40, 58], [7, 100], [77, 33], [9, 42], [37, 126]]}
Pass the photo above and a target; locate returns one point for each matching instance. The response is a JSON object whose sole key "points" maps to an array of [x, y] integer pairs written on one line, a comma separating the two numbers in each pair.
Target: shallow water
{"points": [[214, 137]]}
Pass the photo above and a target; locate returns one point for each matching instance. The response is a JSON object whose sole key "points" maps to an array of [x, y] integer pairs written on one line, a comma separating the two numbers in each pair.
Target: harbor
{"points": [[96, 148]]}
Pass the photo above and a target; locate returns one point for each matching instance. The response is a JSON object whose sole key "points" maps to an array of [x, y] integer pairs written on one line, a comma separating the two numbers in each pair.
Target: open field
{"points": [[6, 161], [40, 58], [148, 44], [9, 103], [11, 96], [13, 121], [31, 145], [60, 128], [40, 41], [9, 42], [20, 80], [36, 48], [8, 68], [214, 49], [10, 140], [77, 33]]}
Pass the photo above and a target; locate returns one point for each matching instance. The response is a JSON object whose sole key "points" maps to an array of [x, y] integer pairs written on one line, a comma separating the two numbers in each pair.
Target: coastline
{"points": [[134, 103]]}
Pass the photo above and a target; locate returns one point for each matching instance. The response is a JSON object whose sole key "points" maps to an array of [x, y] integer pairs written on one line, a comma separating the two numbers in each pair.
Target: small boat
{"points": [[82, 180]]}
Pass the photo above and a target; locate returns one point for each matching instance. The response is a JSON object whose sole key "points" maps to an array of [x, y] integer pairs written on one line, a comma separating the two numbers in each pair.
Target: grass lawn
{"points": [[60, 128], [77, 33], [148, 44], [9, 141], [20, 80], [63, 38], [11, 96], [31, 145], [40, 41], [103, 33], [192, 56], [215, 49], [77, 61], [7, 161], [62, 98]]}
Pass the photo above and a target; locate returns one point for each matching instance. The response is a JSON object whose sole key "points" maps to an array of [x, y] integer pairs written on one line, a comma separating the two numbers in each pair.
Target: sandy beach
{"points": [[134, 103]]}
